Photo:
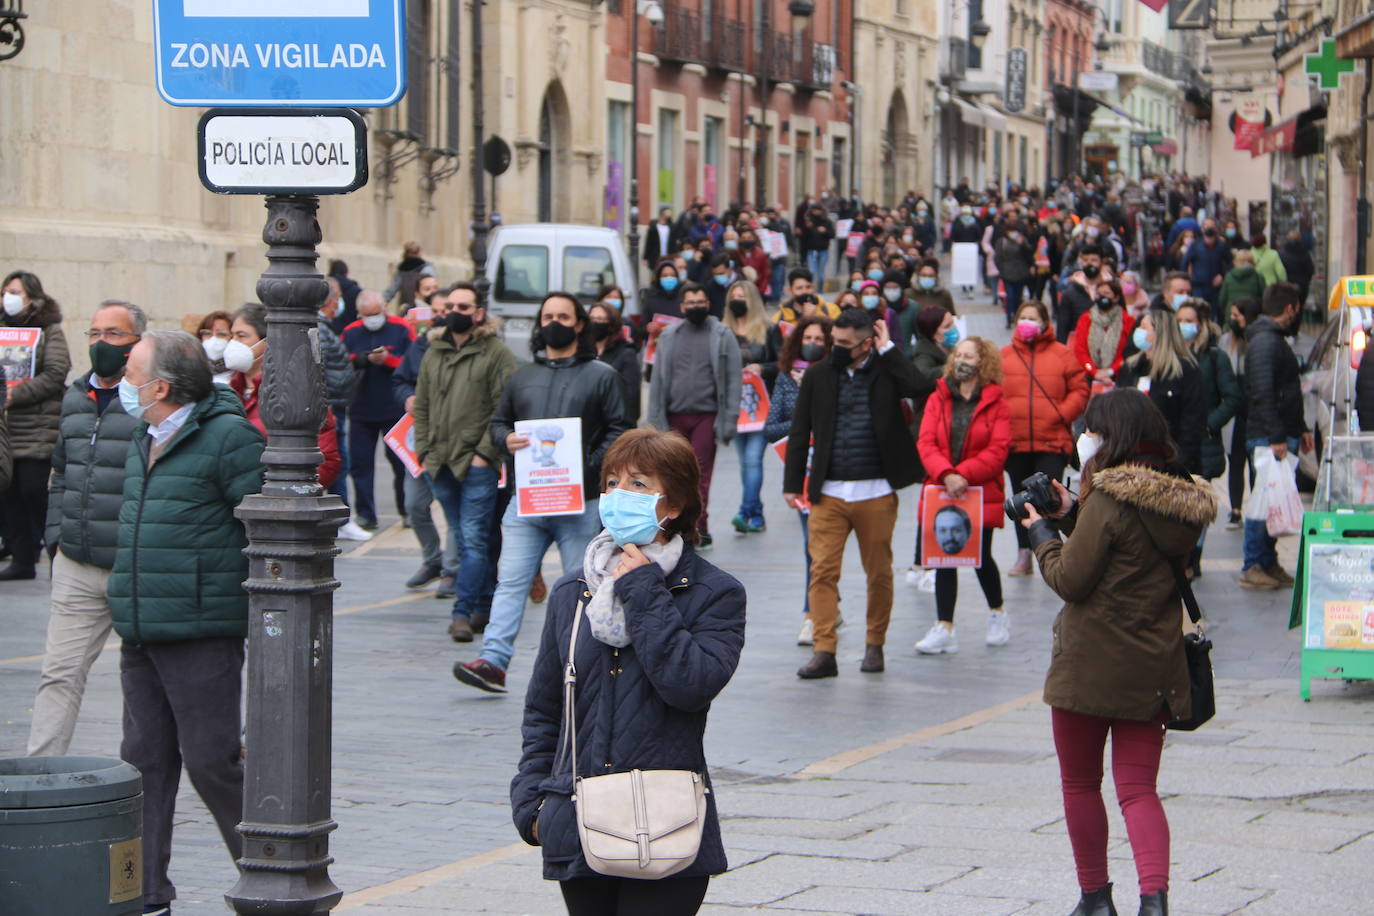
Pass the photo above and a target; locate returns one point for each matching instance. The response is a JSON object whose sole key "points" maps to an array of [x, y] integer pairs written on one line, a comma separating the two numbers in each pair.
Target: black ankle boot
{"points": [[1156, 904], [1095, 903]]}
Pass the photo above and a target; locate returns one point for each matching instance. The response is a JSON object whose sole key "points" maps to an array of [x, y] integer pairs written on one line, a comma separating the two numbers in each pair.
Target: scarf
{"points": [[605, 614], [1104, 335]]}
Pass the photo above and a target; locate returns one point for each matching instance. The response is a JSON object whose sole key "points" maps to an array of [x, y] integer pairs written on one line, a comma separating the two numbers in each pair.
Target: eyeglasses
{"points": [[111, 335]]}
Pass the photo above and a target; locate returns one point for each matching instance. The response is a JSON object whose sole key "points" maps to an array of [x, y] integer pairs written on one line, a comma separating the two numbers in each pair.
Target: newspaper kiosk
{"points": [[1333, 599]]}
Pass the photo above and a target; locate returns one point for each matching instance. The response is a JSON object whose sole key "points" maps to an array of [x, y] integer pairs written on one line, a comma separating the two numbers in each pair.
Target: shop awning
{"points": [[1167, 147], [1357, 39], [1298, 136], [980, 115]]}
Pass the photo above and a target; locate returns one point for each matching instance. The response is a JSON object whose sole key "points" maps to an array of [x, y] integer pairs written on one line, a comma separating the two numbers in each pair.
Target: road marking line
{"points": [[341, 612], [430, 877], [387, 534], [846, 759]]}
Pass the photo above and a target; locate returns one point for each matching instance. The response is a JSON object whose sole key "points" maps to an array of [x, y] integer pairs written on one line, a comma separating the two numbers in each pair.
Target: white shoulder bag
{"points": [[641, 824]]}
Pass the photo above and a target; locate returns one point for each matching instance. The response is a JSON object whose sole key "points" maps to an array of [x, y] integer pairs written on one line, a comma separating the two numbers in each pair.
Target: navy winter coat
{"points": [[642, 707]]}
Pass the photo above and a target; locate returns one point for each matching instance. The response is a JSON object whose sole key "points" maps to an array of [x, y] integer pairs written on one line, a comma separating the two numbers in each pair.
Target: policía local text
{"points": [[291, 56], [270, 151]]}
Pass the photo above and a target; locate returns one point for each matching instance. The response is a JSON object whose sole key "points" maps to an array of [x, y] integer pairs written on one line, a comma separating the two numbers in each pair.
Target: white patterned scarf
{"points": [[605, 614]]}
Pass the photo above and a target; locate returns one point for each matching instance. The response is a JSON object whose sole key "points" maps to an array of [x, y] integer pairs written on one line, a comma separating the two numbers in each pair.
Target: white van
{"points": [[526, 262]]}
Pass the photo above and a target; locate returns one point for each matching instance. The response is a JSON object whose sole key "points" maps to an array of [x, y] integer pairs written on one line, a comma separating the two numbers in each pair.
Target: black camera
{"points": [[1038, 491]]}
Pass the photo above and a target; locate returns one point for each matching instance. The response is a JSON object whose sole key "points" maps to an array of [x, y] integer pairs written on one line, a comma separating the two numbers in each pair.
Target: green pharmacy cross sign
{"points": [[1326, 66]]}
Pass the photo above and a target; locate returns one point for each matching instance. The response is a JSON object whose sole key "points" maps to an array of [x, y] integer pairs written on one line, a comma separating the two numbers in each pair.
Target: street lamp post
{"points": [[480, 227], [291, 526], [654, 13]]}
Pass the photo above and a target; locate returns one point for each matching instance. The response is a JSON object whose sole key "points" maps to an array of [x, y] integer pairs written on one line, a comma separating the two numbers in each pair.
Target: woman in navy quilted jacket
{"points": [[660, 635]]}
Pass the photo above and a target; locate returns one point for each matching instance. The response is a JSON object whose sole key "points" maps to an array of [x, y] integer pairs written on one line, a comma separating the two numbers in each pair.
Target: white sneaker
{"points": [[913, 576], [350, 531], [999, 631], [939, 640], [927, 581], [807, 636]]}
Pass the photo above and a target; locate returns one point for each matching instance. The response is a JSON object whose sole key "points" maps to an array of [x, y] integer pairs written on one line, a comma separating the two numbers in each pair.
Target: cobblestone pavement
{"points": [[929, 789]]}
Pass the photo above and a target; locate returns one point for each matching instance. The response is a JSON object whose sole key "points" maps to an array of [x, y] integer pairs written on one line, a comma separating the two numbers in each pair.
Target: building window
{"points": [[666, 183], [712, 154], [1023, 162], [839, 166], [420, 28], [975, 54], [900, 6], [617, 158]]}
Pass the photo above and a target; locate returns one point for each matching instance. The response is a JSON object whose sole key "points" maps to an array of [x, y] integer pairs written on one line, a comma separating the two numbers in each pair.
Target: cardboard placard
{"points": [[753, 402], [401, 440], [662, 323], [548, 472], [951, 529], [19, 353], [852, 246]]}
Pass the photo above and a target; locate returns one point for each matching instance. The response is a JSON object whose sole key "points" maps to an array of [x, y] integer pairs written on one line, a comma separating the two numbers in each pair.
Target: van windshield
{"points": [[523, 273], [586, 270]]}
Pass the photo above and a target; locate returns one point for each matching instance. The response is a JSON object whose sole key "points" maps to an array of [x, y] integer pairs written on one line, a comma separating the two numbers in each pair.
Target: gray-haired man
{"points": [[84, 495], [176, 592]]}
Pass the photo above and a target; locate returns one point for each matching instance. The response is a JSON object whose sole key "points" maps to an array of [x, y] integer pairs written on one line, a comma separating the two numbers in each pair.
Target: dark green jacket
{"points": [[87, 484], [1222, 399], [455, 396], [1240, 283], [179, 569]]}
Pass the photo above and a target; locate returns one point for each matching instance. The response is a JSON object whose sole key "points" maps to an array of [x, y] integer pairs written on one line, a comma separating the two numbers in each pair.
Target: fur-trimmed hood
{"points": [[45, 313], [491, 327], [1173, 509]]}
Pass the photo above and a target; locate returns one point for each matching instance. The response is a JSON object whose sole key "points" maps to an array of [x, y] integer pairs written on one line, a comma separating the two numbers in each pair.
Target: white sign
{"points": [[258, 152], [1097, 80], [285, 9], [548, 471]]}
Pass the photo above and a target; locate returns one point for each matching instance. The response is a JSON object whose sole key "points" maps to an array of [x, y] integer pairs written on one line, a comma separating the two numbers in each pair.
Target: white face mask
{"points": [[14, 304], [214, 347], [238, 357], [374, 322], [1088, 444]]}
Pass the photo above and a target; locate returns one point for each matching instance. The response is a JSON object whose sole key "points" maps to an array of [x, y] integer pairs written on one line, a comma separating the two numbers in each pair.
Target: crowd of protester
{"points": [[841, 313]]}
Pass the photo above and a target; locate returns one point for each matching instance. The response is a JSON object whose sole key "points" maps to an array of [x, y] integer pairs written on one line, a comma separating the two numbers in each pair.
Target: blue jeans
{"points": [[777, 281], [1015, 293], [1259, 548], [751, 447], [522, 551], [815, 262], [468, 506], [419, 498]]}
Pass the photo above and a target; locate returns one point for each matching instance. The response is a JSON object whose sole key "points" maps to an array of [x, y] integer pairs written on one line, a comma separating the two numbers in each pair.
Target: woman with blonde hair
{"points": [[758, 347], [1166, 369], [964, 441]]}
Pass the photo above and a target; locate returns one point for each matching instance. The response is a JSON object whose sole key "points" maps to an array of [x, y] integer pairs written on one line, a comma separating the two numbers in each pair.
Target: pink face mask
{"points": [[1028, 330], [1128, 288]]}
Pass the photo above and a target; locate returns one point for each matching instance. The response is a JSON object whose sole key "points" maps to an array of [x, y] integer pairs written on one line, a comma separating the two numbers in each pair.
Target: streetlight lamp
{"points": [[978, 34], [11, 28], [651, 11], [800, 11], [481, 228]]}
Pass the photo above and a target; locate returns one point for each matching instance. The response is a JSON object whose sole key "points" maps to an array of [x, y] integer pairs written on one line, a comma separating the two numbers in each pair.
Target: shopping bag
{"points": [[1274, 497]]}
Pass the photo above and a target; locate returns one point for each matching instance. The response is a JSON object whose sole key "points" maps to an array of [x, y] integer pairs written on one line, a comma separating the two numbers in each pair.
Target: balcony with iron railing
{"points": [[725, 46], [679, 38]]}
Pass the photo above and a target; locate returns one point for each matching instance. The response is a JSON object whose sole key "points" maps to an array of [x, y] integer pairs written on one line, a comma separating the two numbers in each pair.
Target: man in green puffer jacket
{"points": [[176, 592], [84, 497]]}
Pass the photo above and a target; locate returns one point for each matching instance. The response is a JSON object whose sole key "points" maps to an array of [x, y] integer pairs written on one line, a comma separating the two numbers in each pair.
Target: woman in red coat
{"points": [[1103, 331], [1046, 391], [964, 440]]}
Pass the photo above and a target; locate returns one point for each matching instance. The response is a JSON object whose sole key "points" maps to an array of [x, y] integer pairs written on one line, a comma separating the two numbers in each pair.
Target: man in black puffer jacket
{"points": [[565, 380], [863, 453], [84, 496]]}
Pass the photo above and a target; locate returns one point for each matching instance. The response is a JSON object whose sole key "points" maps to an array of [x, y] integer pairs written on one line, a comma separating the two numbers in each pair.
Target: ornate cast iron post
{"points": [[291, 526]]}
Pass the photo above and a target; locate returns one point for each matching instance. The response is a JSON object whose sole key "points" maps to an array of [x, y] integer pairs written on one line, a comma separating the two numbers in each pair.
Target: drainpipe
{"points": [[1362, 207]]}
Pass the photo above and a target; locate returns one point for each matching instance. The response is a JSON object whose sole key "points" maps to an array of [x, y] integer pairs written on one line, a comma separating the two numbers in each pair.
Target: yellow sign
{"points": [[1348, 625], [126, 870], [1359, 291]]}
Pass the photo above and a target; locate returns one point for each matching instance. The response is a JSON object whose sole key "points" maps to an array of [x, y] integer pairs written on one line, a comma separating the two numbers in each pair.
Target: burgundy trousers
{"points": [[700, 430]]}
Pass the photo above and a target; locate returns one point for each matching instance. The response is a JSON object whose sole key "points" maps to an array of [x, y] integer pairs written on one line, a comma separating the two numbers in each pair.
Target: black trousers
{"points": [[602, 896], [1237, 462], [1021, 465], [947, 582], [26, 508], [181, 706]]}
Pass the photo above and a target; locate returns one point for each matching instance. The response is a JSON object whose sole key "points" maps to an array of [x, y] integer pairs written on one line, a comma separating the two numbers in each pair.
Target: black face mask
{"points": [[601, 330], [739, 308], [1091, 271], [812, 352], [1105, 303], [842, 357], [107, 359], [557, 335], [746, 245], [697, 314], [458, 322]]}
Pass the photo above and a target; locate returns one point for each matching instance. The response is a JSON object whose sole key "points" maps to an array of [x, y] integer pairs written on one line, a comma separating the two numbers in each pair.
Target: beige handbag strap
{"points": [[569, 695]]}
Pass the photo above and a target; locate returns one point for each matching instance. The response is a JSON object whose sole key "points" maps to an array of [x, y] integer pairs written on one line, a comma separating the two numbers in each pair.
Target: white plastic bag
{"points": [[1274, 497]]}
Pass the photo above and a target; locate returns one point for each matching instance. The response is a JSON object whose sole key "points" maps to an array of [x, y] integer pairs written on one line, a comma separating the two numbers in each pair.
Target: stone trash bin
{"points": [[71, 837]]}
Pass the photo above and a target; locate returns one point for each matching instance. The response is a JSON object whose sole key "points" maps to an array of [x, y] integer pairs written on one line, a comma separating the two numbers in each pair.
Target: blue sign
{"points": [[280, 53]]}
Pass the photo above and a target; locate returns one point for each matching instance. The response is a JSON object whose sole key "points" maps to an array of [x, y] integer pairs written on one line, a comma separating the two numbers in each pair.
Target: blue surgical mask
{"points": [[870, 302], [629, 517], [1188, 329], [875, 275], [128, 397], [1179, 300], [857, 285], [950, 338], [668, 283], [616, 304], [1141, 339], [722, 279], [926, 282]]}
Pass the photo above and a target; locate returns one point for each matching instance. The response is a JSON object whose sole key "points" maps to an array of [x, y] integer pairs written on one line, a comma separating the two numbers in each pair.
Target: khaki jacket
{"points": [[456, 394]]}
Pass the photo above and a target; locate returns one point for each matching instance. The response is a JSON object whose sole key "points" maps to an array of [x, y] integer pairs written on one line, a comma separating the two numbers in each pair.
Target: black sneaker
{"points": [[157, 909], [423, 576], [481, 674], [16, 572], [704, 541]]}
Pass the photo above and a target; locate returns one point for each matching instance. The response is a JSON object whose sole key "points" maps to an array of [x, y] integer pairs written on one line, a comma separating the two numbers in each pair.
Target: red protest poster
{"points": [[548, 472], [401, 440], [786, 328], [851, 247], [753, 403], [780, 449], [951, 529], [19, 353], [660, 324]]}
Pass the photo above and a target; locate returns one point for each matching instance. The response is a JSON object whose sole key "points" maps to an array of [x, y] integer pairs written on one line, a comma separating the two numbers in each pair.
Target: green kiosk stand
{"points": [[1333, 598]]}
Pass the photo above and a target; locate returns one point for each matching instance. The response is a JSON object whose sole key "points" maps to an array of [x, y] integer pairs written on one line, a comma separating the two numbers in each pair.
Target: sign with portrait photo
{"points": [[548, 472], [951, 529], [19, 353], [753, 403]]}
